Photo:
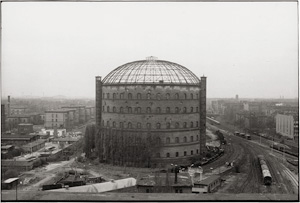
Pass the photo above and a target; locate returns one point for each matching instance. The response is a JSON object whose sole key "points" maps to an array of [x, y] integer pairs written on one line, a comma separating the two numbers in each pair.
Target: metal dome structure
{"points": [[151, 71]]}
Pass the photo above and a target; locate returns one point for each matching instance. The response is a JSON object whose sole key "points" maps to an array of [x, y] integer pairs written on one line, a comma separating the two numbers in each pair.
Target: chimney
{"points": [[8, 105]]}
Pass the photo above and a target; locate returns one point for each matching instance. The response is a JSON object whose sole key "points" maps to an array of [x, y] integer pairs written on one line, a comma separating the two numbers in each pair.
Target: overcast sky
{"points": [[250, 49]]}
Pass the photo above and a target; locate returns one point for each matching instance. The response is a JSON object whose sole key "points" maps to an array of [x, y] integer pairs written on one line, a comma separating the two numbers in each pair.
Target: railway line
{"points": [[251, 180]]}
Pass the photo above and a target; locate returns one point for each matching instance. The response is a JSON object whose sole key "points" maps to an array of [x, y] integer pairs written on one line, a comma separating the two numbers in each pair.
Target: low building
{"points": [[17, 139], [10, 183], [34, 146], [14, 120], [20, 165], [79, 115], [207, 185], [60, 119], [18, 110], [287, 125], [25, 128], [65, 140], [165, 183], [51, 132]]}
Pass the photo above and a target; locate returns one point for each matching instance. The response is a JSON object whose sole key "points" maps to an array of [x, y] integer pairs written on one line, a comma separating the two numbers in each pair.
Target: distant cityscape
{"points": [[150, 129]]}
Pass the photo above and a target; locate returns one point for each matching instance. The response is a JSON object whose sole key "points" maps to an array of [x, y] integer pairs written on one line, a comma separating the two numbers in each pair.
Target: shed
{"points": [[207, 185]]}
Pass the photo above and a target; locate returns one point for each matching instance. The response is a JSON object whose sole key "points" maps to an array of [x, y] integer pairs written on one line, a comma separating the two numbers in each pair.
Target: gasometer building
{"points": [[150, 113]]}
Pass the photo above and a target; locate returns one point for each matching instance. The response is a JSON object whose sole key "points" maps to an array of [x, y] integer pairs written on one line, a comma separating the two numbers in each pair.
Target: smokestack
{"points": [[8, 105], [202, 104]]}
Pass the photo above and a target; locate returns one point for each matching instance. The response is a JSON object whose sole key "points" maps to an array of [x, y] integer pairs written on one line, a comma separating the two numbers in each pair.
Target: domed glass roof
{"points": [[151, 71]]}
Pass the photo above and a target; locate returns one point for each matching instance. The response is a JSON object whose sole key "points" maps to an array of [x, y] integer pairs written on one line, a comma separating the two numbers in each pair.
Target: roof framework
{"points": [[151, 71]]}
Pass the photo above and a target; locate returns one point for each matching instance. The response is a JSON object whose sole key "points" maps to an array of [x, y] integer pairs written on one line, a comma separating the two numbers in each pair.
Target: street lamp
{"points": [[176, 169]]}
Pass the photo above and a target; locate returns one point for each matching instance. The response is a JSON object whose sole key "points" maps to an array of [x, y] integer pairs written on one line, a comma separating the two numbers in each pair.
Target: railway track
{"points": [[253, 180]]}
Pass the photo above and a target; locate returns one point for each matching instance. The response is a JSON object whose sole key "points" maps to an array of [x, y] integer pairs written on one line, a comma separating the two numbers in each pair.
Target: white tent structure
{"points": [[101, 187]]}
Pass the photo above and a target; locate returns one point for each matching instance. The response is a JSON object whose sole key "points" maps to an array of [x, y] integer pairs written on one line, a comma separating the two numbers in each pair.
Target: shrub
{"points": [[80, 159], [10, 174]]}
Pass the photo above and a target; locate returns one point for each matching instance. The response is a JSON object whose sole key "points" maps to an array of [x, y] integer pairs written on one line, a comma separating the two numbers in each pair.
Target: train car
{"points": [[236, 133], [213, 121], [284, 148], [267, 178], [243, 135], [248, 137]]}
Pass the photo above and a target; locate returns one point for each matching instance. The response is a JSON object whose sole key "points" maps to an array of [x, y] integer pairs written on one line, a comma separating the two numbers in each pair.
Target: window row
{"points": [[148, 125], [158, 96], [149, 110], [177, 140], [185, 153]]}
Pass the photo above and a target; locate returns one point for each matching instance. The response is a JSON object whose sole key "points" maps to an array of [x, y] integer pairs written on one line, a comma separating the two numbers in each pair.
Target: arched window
{"points": [[148, 96], [192, 96], [114, 124], [197, 151], [184, 153], [139, 110], [177, 154], [107, 95], [107, 123], [184, 125], [168, 125], [168, 110], [121, 124], [176, 125], [122, 96], [192, 124], [197, 137], [158, 141], [129, 125], [157, 155], [129, 110], [197, 96], [158, 125], [192, 109], [114, 95], [139, 96], [185, 96], [176, 96], [168, 154], [192, 152], [197, 124], [148, 125], [168, 140], [148, 110], [184, 109], [121, 110], [176, 110], [167, 96], [184, 139], [158, 110], [197, 109], [158, 96], [114, 109], [108, 109], [102, 122], [192, 138], [129, 96], [176, 139], [139, 125]]}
